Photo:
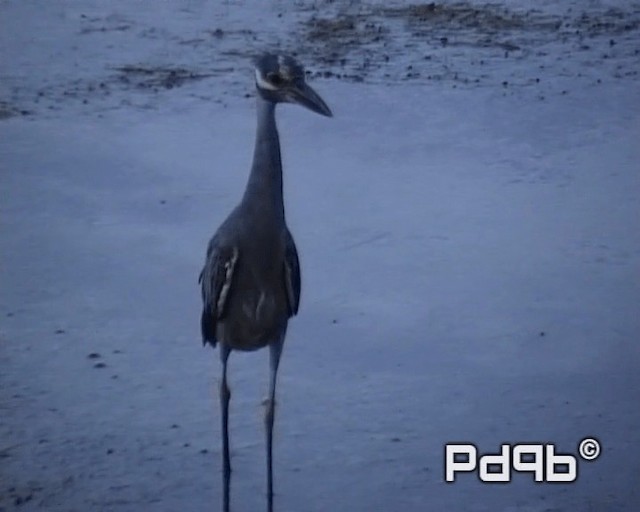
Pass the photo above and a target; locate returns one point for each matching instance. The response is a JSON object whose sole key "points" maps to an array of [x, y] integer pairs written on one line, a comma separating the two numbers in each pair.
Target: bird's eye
{"points": [[275, 79]]}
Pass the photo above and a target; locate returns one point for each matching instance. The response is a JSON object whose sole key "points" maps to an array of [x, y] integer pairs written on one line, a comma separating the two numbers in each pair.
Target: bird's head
{"points": [[280, 78]]}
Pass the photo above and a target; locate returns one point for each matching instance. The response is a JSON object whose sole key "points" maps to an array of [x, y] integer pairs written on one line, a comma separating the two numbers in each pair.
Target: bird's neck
{"points": [[264, 188]]}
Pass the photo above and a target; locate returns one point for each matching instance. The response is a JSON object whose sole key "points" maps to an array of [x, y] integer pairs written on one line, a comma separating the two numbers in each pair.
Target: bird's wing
{"points": [[292, 274], [216, 280]]}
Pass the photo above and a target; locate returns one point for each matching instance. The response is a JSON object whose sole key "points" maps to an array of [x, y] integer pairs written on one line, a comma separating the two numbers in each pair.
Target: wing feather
{"points": [[292, 274], [216, 280]]}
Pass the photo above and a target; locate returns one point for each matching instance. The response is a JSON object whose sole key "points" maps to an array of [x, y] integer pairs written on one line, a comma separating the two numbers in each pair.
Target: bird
{"points": [[251, 280]]}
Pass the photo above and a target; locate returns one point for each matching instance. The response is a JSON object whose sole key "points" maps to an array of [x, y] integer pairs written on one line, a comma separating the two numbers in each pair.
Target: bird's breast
{"points": [[257, 309]]}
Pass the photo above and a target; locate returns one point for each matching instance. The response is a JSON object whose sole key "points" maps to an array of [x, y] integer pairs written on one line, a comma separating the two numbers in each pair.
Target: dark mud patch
{"points": [[103, 24], [468, 43], [118, 28], [18, 496], [8, 111], [459, 44], [613, 22], [350, 29], [146, 77], [462, 16]]}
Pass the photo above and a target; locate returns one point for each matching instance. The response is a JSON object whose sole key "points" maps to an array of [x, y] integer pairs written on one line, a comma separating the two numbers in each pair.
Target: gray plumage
{"points": [[251, 276]]}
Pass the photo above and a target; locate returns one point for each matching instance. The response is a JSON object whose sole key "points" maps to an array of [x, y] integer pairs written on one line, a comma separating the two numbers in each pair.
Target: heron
{"points": [[251, 277]]}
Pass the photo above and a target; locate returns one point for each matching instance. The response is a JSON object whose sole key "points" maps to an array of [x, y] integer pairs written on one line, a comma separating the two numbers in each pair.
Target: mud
{"points": [[157, 77], [458, 42], [461, 44]]}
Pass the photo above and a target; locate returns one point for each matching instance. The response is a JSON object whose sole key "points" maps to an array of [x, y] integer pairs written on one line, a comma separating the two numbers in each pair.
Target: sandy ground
{"points": [[467, 226]]}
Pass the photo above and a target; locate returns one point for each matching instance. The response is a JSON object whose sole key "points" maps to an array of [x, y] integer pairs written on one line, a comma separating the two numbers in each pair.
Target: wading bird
{"points": [[251, 276]]}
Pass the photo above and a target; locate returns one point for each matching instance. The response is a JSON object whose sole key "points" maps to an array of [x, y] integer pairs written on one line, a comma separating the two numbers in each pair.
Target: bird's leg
{"points": [[225, 396], [275, 350]]}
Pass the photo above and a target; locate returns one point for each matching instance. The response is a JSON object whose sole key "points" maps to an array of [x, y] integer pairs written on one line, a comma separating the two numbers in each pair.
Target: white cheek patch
{"points": [[263, 84]]}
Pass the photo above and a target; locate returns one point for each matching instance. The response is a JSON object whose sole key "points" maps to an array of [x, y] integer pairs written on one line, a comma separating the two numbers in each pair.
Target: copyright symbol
{"points": [[589, 448]]}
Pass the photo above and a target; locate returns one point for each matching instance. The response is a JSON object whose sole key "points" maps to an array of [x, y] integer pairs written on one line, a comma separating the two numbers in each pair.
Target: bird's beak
{"points": [[304, 95]]}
